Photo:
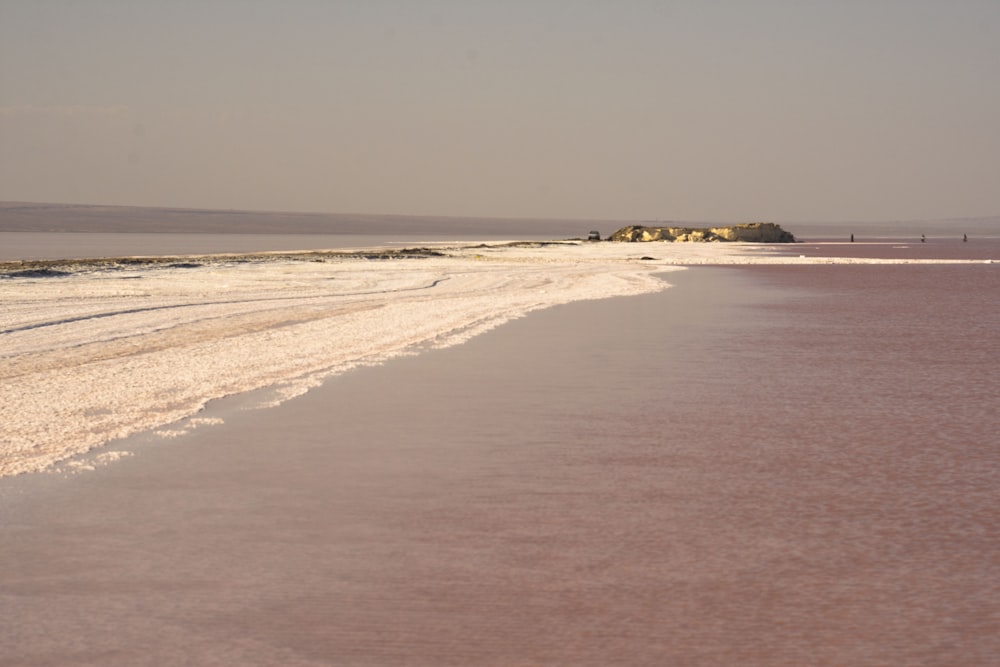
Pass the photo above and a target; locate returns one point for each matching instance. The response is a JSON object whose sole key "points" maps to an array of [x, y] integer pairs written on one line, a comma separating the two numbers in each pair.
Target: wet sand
{"points": [[598, 483]]}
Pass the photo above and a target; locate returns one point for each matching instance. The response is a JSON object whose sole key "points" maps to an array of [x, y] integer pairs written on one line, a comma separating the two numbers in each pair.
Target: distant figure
{"points": [[965, 237], [923, 239], [852, 238]]}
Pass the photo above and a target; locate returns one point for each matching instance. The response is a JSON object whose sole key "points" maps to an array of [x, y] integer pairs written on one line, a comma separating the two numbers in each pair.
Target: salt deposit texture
{"points": [[101, 353]]}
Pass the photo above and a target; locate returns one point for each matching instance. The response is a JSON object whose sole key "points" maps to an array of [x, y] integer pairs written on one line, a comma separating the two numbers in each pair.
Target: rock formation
{"points": [[754, 232]]}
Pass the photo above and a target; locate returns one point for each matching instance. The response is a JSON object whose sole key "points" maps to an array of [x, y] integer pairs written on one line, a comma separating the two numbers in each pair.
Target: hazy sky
{"points": [[702, 110]]}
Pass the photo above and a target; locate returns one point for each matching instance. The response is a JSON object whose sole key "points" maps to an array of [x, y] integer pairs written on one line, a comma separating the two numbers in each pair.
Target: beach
{"points": [[562, 453]]}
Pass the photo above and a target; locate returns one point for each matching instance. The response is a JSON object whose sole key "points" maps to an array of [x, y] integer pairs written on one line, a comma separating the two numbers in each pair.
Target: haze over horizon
{"points": [[775, 110]]}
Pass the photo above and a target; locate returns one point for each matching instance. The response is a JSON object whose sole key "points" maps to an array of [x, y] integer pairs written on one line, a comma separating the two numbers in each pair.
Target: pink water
{"points": [[982, 248], [790, 465]]}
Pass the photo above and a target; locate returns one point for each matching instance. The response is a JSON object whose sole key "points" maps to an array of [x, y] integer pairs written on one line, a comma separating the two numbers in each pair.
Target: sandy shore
{"points": [[100, 350]]}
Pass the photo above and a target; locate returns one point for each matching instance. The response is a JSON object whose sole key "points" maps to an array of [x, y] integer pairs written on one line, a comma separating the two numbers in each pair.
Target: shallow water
{"points": [[982, 248], [760, 466]]}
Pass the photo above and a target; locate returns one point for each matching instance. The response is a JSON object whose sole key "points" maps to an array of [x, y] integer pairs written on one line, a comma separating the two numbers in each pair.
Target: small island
{"points": [[754, 232]]}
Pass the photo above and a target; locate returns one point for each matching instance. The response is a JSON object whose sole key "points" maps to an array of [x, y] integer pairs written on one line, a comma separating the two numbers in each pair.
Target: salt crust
{"points": [[99, 356], [90, 463], [188, 425]]}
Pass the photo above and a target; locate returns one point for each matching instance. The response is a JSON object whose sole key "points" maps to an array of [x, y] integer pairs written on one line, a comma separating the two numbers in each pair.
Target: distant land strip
{"points": [[42, 268], [38, 217]]}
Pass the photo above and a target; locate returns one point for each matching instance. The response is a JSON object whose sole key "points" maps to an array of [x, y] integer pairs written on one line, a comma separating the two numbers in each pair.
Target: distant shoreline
{"points": [[41, 217], [779, 253], [21, 216]]}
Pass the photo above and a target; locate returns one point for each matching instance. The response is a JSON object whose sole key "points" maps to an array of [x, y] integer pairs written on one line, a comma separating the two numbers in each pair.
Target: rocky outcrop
{"points": [[754, 232]]}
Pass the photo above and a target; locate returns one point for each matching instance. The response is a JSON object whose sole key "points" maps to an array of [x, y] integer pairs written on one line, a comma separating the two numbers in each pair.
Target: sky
{"points": [[709, 110]]}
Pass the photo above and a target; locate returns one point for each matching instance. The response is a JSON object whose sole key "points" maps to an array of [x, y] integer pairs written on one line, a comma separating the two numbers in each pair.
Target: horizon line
{"points": [[6, 204]]}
